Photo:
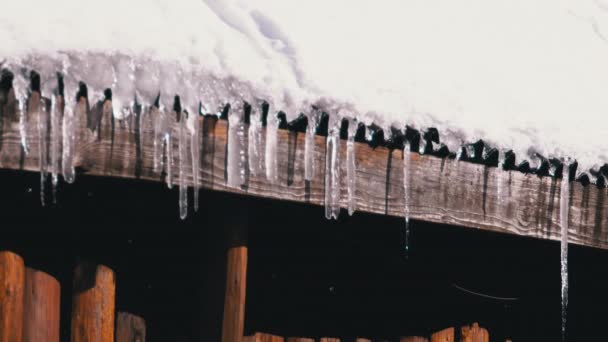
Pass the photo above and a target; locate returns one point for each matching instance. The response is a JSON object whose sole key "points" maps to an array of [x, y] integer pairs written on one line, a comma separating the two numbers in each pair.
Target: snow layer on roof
{"points": [[525, 75]]}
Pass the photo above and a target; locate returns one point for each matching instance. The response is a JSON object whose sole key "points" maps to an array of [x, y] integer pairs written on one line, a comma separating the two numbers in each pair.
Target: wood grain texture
{"points": [[300, 339], [12, 285], [234, 301], [414, 339], [446, 335], [261, 337], [130, 328], [474, 333], [442, 190], [93, 303], [42, 304]]}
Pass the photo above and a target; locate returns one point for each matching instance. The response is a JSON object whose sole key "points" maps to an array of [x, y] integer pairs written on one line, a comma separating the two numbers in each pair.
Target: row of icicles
{"points": [[245, 153]]}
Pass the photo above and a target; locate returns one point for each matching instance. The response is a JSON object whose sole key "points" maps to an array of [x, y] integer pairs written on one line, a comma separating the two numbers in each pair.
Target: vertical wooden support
{"points": [[446, 335], [474, 333], [130, 328], [12, 284], [41, 307], [236, 277], [93, 304], [414, 339]]}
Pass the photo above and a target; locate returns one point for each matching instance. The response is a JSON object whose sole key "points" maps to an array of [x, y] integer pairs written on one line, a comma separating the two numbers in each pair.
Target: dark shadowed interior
{"points": [[306, 276]]}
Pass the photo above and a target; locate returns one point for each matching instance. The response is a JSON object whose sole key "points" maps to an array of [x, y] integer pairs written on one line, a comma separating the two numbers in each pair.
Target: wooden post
{"points": [[414, 339], [474, 333], [12, 283], [259, 337], [130, 328], [42, 301], [446, 335], [236, 278], [93, 303]]}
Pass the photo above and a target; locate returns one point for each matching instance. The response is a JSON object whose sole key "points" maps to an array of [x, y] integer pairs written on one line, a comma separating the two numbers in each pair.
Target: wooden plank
{"points": [[42, 302], [414, 339], [234, 303], [130, 328], [300, 339], [93, 303], [442, 190], [446, 335], [12, 284], [474, 333], [261, 337]]}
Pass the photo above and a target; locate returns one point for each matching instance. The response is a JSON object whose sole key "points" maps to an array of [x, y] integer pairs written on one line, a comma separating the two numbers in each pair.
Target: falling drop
{"points": [[564, 207], [236, 146], [313, 118], [183, 159], [256, 159], [406, 194], [332, 169], [351, 166], [270, 153]]}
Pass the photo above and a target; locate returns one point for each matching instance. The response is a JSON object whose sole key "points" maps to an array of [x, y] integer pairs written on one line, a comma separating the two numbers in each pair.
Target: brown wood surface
{"points": [[261, 337], [300, 339], [442, 190], [12, 285], [362, 340], [93, 303], [130, 328], [329, 339], [445, 335], [234, 302], [41, 312], [474, 333], [414, 339]]}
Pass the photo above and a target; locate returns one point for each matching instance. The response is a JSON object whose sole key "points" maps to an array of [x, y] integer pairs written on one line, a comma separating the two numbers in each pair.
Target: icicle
{"points": [[351, 166], [236, 146], [183, 158], [314, 117], [163, 144], [42, 138], [20, 87], [159, 136], [272, 127], [256, 159], [195, 148], [332, 169], [564, 206], [168, 142], [55, 136], [69, 126], [406, 194]]}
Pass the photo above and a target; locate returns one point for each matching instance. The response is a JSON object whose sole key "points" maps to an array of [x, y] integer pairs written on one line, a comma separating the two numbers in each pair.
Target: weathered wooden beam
{"points": [[261, 337], [93, 303], [474, 333], [445, 335], [12, 284], [441, 190], [414, 339], [130, 328], [41, 307], [300, 339]]}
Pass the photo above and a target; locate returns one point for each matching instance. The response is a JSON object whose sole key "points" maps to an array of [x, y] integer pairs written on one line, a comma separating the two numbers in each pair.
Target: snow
{"points": [[527, 75]]}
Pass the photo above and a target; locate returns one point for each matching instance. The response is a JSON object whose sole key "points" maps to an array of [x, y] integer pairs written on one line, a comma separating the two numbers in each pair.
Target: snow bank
{"points": [[527, 75]]}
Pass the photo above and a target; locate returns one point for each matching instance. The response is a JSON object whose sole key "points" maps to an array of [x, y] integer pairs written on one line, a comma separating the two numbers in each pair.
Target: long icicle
{"points": [[42, 116], [256, 158], [195, 150], [313, 118], [270, 153], [406, 194], [68, 136], [564, 206], [183, 158], [332, 169], [168, 139], [236, 146], [351, 166], [20, 87], [56, 102]]}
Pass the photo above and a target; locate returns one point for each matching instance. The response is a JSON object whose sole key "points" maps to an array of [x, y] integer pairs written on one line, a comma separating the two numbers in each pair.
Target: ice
{"points": [[270, 153], [236, 146], [332, 168], [314, 117], [351, 166], [163, 143], [42, 126], [406, 194], [183, 162], [55, 143], [195, 150], [564, 207], [256, 158], [21, 94], [69, 135]]}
